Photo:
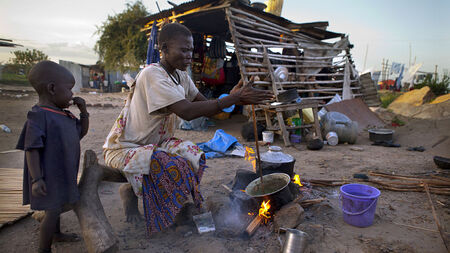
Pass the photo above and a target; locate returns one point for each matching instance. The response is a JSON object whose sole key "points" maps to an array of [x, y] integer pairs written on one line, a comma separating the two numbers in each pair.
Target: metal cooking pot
{"points": [[271, 184], [275, 161]]}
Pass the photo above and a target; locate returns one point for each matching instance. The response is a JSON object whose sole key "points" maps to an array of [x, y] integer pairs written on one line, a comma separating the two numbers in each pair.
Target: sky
{"points": [[385, 29]]}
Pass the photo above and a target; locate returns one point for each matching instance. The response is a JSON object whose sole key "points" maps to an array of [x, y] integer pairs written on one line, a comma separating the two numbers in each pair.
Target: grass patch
{"points": [[388, 97], [397, 121], [11, 78]]}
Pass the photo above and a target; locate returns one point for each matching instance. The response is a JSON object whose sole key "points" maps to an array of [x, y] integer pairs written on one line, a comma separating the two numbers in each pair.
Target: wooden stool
{"points": [[282, 129]]}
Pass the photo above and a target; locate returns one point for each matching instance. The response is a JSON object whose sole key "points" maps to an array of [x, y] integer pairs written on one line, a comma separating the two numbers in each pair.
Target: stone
{"points": [[289, 216], [184, 229], [227, 218], [243, 178], [316, 232]]}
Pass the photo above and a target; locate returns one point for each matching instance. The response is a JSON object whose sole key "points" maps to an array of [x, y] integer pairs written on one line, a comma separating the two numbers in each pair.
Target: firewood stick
{"points": [[410, 226], [253, 226], [411, 178], [441, 178], [226, 188], [441, 232]]}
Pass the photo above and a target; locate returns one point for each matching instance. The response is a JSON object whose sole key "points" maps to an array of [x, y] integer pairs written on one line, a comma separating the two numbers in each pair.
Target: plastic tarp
{"points": [[220, 145]]}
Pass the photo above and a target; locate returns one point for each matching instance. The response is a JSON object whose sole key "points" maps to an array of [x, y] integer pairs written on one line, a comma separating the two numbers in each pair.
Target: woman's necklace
{"points": [[174, 79]]}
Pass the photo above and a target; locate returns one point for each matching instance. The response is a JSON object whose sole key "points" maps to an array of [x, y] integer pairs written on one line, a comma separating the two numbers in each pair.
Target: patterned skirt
{"points": [[167, 186]]}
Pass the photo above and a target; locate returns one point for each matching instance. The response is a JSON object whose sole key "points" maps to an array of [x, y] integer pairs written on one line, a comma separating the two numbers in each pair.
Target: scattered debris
{"points": [[5, 129], [418, 148], [356, 148]]}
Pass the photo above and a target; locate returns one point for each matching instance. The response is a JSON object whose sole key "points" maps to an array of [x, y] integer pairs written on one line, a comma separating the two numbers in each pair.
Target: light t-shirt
{"points": [[149, 121]]}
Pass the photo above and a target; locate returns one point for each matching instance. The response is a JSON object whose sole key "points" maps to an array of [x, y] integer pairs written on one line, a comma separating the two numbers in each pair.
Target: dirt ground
{"points": [[324, 224]]}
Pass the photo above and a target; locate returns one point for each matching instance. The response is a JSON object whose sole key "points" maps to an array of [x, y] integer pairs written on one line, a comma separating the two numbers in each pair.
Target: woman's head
{"points": [[176, 44]]}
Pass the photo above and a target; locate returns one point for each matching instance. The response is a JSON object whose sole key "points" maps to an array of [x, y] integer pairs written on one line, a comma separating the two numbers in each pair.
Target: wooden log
{"points": [[96, 230], [253, 226]]}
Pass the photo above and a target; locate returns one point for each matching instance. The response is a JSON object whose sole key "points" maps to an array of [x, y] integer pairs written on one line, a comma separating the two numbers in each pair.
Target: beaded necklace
{"points": [[174, 79]]}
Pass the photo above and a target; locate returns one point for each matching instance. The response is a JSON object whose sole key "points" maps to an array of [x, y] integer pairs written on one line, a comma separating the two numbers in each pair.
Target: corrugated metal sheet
{"points": [[313, 29]]}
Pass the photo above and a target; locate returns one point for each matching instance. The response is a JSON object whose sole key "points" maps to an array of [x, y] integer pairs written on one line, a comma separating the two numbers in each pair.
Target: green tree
{"points": [[26, 59], [437, 86], [122, 46]]}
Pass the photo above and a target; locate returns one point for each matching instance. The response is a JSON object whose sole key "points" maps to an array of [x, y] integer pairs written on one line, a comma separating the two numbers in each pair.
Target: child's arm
{"points": [[38, 188], [84, 115]]}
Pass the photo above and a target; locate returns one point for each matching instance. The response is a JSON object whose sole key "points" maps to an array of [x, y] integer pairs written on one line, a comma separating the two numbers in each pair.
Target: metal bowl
{"points": [[381, 135], [271, 184]]}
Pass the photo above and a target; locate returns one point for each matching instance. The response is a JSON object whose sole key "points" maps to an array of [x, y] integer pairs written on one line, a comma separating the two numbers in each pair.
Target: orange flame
{"points": [[297, 180], [250, 156], [264, 210]]}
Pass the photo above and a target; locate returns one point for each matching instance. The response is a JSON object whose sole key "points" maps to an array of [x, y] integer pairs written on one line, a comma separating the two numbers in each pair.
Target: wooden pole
{"points": [[409, 65], [435, 72], [255, 130], [425, 186], [365, 57]]}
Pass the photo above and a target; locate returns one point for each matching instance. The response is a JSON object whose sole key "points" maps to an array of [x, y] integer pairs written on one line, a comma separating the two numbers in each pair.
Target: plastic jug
{"points": [[345, 128]]}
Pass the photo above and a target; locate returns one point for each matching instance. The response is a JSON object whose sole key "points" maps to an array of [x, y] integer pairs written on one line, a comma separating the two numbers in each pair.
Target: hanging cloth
{"points": [[153, 51]]}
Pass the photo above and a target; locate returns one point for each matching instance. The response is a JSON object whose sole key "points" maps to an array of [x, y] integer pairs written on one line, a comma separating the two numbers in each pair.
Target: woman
{"points": [[162, 169]]}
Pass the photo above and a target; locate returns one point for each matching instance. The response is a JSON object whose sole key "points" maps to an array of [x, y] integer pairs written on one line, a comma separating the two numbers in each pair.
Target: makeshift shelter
{"points": [[262, 42]]}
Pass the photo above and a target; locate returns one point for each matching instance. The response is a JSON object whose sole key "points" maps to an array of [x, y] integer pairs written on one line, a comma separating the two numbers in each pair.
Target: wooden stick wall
{"points": [[252, 36]]}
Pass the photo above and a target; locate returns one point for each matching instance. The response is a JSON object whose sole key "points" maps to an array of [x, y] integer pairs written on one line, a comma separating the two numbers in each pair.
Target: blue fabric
{"points": [[152, 51], [218, 145], [56, 137], [396, 68], [398, 81]]}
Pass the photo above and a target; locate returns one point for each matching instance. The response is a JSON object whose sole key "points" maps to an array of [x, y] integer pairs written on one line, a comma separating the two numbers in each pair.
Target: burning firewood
{"points": [[263, 216]]}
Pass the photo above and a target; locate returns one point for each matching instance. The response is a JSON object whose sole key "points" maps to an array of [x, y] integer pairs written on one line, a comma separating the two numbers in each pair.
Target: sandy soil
{"points": [[328, 232]]}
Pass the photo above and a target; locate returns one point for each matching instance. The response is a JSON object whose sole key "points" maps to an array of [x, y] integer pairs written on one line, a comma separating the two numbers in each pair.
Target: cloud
{"points": [[78, 51]]}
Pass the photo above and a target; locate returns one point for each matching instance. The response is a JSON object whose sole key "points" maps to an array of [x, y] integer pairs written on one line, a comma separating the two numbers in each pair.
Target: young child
{"points": [[51, 141]]}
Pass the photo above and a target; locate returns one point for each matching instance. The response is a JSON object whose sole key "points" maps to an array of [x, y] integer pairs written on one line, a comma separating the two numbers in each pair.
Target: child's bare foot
{"points": [[61, 237]]}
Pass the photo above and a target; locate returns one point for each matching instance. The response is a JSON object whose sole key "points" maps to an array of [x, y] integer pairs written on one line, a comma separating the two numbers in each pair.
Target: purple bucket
{"points": [[295, 138], [359, 202]]}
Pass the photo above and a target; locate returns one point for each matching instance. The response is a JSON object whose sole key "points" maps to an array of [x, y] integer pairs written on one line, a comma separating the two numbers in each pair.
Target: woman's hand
{"points": [[249, 95]]}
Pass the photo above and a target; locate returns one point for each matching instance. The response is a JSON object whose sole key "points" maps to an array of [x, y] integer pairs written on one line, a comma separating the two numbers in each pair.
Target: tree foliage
{"points": [[26, 59], [122, 46], [437, 86]]}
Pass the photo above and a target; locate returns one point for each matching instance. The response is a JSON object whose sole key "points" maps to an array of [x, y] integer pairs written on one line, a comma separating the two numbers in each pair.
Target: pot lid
{"points": [[275, 155]]}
